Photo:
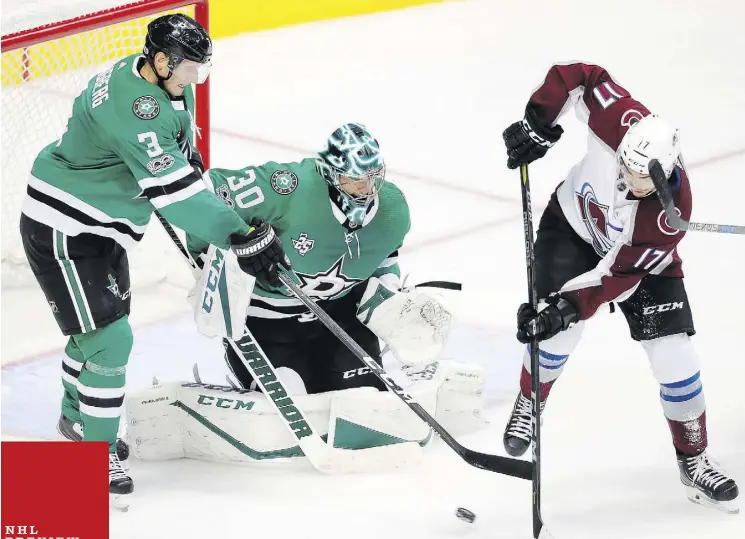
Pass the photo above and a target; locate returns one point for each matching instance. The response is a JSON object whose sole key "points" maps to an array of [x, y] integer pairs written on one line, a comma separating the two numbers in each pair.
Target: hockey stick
{"points": [[323, 457], [494, 463], [538, 529], [673, 216]]}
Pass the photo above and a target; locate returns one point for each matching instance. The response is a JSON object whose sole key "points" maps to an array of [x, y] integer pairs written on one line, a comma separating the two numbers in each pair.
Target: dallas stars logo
{"points": [[327, 284], [114, 288], [146, 107]]}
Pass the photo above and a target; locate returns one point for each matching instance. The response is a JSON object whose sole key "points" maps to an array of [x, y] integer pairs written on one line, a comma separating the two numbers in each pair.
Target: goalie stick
{"points": [[324, 458], [539, 530], [494, 463], [673, 217]]}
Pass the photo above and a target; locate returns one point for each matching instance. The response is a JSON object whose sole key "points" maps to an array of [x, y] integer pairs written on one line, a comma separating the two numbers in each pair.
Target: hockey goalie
{"points": [[335, 221]]}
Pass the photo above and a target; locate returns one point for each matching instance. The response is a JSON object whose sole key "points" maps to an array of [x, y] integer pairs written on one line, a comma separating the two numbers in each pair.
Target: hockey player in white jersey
{"points": [[604, 238]]}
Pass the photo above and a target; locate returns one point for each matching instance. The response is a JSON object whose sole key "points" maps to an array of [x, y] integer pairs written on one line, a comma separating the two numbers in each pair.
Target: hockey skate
{"points": [[120, 484], [74, 432], [706, 484], [519, 428]]}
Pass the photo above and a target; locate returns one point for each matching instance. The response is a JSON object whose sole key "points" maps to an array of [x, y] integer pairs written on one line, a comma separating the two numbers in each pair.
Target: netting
{"points": [[39, 84]]}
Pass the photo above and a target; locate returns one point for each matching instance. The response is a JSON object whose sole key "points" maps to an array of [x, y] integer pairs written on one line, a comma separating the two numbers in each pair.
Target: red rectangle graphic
{"points": [[55, 489]]}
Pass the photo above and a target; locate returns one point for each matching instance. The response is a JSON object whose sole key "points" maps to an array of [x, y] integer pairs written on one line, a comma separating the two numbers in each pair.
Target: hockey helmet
{"points": [[352, 164], [186, 43], [649, 138]]}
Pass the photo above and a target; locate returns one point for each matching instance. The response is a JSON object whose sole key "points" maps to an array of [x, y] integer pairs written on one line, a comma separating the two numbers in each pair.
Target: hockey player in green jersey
{"points": [[128, 150], [341, 225]]}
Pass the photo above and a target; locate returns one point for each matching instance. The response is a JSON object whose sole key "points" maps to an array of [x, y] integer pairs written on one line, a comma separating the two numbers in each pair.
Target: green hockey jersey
{"points": [[124, 154], [328, 256]]}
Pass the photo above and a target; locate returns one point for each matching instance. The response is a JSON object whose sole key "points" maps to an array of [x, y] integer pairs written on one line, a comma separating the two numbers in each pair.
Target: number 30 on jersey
{"points": [[249, 197]]}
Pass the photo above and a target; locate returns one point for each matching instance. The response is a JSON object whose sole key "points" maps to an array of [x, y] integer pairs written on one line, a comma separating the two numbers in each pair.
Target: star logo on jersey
{"points": [[284, 182], [327, 284], [146, 107], [303, 244], [595, 217]]}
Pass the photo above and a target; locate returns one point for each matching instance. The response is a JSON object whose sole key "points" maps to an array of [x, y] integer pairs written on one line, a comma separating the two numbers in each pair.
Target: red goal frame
{"points": [[107, 17]]}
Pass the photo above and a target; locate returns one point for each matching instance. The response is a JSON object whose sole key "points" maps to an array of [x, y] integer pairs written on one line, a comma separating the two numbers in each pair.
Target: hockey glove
{"points": [[195, 160], [557, 315], [528, 140], [260, 253]]}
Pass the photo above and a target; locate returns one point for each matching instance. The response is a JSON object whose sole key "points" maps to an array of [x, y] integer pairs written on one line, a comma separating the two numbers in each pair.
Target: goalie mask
{"points": [[352, 165], [649, 138]]}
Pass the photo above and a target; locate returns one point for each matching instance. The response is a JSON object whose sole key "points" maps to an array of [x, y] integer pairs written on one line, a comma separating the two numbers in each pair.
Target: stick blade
{"points": [[545, 534], [522, 469]]}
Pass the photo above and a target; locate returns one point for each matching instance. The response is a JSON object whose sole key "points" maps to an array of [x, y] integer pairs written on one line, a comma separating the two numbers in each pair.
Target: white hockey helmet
{"points": [[649, 138]]}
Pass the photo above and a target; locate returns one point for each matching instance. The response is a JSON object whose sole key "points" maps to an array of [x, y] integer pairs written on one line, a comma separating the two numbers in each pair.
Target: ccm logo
{"points": [[356, 372], [664, 307]]}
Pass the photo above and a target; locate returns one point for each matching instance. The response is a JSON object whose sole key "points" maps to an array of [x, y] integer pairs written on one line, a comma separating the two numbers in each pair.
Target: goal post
{"points": [[44, 68]]}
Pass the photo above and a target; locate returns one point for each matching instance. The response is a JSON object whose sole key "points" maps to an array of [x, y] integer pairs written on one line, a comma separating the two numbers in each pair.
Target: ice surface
{"points": [[437, 85]]}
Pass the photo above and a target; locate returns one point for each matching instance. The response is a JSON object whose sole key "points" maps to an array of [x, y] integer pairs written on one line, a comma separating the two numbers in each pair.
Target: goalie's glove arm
{"points": [[389, 272]]}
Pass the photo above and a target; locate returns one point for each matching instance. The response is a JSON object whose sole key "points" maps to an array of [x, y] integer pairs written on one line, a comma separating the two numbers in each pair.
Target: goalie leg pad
{"points": [[223, 424], [365, 417]]}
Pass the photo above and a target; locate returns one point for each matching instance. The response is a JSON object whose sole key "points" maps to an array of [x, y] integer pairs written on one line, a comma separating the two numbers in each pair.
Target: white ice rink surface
{"points": [[437, 85]]}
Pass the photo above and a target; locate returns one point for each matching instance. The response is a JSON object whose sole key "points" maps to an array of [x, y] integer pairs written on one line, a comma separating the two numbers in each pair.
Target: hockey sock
{"points": [[101, 382], [685, 409], [72, 363], [552, 355], [676, 367], [551, 366]]}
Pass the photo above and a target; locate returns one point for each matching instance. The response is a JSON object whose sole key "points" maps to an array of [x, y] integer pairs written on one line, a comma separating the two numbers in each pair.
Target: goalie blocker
{"points": [[227, 424]]}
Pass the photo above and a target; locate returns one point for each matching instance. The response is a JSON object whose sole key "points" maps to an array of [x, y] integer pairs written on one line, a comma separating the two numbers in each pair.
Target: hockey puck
{"points": [[465, 515]]}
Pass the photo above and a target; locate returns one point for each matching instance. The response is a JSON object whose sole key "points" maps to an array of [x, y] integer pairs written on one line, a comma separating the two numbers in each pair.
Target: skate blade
{"points": [[696, 496], [119, 502]]}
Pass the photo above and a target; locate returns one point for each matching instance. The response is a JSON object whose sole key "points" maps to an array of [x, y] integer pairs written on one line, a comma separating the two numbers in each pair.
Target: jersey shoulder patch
{"points": [[146, 107], [283, 181]]}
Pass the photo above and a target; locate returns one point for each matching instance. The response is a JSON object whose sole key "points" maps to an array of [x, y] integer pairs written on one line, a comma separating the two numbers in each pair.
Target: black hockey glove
{"points": [[558, 315], [195, 160], [260, 253], [528, 140]]}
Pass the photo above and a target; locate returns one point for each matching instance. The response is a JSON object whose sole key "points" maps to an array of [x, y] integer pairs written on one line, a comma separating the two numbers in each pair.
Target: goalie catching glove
{"points": [[414, 324]]}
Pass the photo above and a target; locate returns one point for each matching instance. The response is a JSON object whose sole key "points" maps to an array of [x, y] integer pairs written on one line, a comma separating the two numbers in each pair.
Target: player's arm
{"points": [[646, 246], [245, 192], [389, 272], [172, 184], [605, 105]]}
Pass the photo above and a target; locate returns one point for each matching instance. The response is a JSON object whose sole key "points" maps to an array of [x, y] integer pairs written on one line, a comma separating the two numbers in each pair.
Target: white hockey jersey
{"points": [[630, 234]]}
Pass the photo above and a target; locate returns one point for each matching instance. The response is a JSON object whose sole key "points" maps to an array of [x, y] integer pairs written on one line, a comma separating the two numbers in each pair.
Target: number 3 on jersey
{"points": [[151, 140], [250, 197]]}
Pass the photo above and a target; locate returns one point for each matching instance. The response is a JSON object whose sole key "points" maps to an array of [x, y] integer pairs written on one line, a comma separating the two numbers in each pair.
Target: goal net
{"points": [[43, 69]]}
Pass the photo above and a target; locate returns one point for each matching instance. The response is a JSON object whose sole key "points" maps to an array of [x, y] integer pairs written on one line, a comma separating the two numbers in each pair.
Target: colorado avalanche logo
{"points": [[595, 217], [630, 117], [664, 225]]}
